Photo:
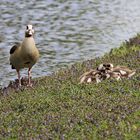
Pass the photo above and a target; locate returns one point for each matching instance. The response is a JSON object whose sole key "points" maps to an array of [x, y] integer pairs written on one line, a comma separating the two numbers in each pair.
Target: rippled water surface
{"points": [[67, 31]]}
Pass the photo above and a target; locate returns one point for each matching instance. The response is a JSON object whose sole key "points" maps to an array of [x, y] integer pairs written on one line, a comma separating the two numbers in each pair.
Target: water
{"points": [[66, 31]]}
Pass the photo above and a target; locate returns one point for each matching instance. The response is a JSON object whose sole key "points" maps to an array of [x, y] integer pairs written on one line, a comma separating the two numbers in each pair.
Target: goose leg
{"points": [[19, 78], [29, 77]]}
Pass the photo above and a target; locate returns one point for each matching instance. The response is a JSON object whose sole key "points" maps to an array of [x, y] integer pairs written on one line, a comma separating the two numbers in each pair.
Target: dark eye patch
{"points": [[27, 27], [108, 65], [103, 71]]}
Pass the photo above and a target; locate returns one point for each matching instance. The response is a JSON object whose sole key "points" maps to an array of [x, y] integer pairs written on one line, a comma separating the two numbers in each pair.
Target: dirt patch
{"points": [[14, 86]]}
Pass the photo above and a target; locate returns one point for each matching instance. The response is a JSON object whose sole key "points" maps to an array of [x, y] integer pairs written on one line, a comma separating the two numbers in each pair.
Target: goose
{"points": [[106, 71], [124, 71], [90, 76], [24, 54], [118, 72], [114, 75], [105, 67]]}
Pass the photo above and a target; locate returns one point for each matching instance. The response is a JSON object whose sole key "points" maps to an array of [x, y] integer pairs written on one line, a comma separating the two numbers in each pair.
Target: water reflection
{"points": [[66, 31]]}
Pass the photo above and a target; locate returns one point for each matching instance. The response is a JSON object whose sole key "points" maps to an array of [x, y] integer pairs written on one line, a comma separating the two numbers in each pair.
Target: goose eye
{"points": [[27, 27]]}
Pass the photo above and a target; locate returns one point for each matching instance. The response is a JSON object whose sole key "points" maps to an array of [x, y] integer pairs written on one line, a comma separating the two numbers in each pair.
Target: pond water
{"points": [[66, 31]]}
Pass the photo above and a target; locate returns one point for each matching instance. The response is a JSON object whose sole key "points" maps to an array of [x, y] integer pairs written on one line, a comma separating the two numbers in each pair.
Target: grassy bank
{"points": [[60, 108]]}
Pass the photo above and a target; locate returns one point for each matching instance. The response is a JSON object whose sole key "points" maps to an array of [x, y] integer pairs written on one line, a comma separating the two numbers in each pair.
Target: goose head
{"points": [[108, 66], [29, 31], [105, 67], [101, 67]]}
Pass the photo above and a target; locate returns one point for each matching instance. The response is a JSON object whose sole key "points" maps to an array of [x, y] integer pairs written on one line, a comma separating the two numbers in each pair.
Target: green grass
{"points": [[61, 108]]}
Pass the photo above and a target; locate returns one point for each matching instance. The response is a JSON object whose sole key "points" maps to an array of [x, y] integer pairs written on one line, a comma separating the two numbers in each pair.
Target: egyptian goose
{"points": [[124, 71], [105, 67], [117, 72], [25, 54], [90, 76]]}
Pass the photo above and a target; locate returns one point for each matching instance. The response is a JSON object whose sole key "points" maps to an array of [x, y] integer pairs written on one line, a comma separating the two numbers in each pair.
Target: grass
{"points": [[60, 108]]}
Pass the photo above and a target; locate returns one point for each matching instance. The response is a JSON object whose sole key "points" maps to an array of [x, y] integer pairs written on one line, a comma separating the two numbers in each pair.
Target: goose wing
{"points": [[14, 48]]}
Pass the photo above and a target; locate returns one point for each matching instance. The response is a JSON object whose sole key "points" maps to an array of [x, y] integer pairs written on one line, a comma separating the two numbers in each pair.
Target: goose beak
{"points": [[30, 32]]}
